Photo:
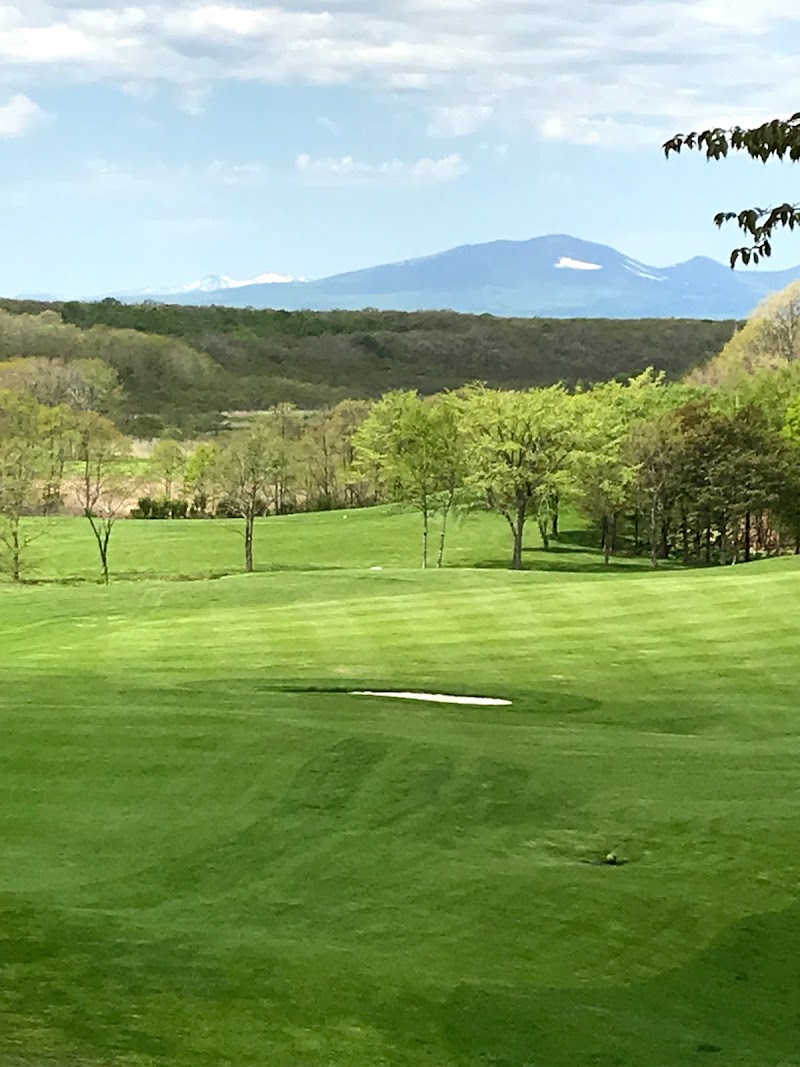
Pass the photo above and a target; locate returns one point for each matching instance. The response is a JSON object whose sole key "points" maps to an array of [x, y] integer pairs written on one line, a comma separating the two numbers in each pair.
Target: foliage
{"points": [[769, 341], [245, 469], [31, 442], [415, 449], [329, 477], [89, 368], [777, 139], [165, 508], [80, 384], [181, 366], [167, 463], [603, 469], [518, 447]]}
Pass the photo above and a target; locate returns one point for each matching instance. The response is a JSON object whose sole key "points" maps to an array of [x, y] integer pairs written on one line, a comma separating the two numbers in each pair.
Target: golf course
{"points": [[213, 853]]}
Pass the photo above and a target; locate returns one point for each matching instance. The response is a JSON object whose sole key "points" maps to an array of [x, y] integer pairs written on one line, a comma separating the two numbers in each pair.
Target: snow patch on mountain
{"points": [[642, 271], [214, 283], [577, 264]]}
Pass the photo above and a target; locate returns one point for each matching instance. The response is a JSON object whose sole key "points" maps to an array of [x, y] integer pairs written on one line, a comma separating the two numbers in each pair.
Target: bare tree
{"points": [[104, 486]]}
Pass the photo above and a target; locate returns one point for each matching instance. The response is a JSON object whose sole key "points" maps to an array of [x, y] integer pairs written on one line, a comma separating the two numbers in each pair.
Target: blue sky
{"points": [[158, 142]]}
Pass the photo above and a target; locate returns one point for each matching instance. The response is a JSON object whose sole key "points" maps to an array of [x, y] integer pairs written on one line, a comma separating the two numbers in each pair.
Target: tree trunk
{"points": [[544, 530], [654, 533], [249, 523], [606, 540], [685, 538], [16, 550], [425, 525], [604, 533], [723, 542], [518, 530], [664, 540], [747, 534], [554, 513], [443, 535], [637, 537], [104, 559], [102, 534], [708, 544]]}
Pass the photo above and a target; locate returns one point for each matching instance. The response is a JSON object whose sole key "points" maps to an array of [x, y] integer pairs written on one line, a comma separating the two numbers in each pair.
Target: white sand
{"points": [[438, 698]]}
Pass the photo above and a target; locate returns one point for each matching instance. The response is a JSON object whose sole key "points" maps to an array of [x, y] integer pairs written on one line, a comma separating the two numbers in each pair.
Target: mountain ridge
{"points": [[555, 275]]}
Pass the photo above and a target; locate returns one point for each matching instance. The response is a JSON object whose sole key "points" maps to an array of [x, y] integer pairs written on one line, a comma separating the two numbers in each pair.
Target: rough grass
{"points": [[212, 854]]}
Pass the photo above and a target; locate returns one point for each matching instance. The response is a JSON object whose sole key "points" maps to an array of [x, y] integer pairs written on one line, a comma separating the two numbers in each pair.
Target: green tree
{"points": [[731, 470], [777, 139], [518, 446], [245, 474], [603, 471], [167, 464], [104, 486], [768, 342], [415, 445], [327, 456], [81, 384], [283, 424], [200, 477], [22, 467], [653, 449]]}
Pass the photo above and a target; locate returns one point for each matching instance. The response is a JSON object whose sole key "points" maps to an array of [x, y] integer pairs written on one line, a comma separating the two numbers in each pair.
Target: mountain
{"points": [[213, 283], [556, 276]]}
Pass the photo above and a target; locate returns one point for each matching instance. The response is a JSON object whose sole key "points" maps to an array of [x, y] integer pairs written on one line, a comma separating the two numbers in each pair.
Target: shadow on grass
{"points": [[576, 561]]}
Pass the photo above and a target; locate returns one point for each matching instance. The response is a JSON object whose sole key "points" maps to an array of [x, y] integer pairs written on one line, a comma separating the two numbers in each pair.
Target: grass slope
{"points": [[212, 854], [381, 537]]}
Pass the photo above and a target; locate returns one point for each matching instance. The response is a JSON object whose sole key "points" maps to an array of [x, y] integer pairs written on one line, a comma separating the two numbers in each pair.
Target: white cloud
{"points": [[604, 69], [347, 171], [101, 177], [230, 174], [459, 120], [19, 116], [193, 98]]}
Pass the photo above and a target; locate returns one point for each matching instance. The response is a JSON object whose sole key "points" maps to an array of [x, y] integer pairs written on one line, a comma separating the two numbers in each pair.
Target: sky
{"points": [[159, 142]]}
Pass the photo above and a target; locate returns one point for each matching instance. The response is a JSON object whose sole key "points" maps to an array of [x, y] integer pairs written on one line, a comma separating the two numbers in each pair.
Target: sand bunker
{"points": [[438, 698]]}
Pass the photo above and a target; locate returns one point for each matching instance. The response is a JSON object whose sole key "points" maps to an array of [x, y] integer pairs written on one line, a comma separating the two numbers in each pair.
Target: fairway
{"points": [[213, 854]]}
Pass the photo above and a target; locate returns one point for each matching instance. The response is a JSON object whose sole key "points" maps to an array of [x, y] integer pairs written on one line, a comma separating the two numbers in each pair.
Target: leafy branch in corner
{"points": [[777, 139]]}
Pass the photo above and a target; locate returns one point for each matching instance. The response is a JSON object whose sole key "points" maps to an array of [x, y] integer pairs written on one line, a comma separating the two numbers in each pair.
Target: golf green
{"points": [[213, 854]]}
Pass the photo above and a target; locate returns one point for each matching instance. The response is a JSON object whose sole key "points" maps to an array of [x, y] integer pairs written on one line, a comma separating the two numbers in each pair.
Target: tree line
{"points": [[181, 367], [704, 470], [671, 471]]}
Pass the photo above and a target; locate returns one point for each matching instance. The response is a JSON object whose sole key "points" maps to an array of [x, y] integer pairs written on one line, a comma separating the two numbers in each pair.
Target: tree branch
{"points": [[778, 139]]}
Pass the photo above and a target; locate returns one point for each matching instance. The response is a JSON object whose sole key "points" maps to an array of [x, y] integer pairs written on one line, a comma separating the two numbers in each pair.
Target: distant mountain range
{"points": [[213, 283], [555, 276]]}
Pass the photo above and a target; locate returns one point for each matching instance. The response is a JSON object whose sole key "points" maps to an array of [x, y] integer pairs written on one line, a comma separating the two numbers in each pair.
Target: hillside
{"points": [[556, 276], [252, 359]]}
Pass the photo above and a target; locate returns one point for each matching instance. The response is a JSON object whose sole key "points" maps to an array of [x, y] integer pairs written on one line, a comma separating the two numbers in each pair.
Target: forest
{"points": [[181, 367]]}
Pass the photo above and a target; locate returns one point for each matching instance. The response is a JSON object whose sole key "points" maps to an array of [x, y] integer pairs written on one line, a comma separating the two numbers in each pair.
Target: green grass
{"points": [[356, 540], [351, 540], [212, 854]]}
